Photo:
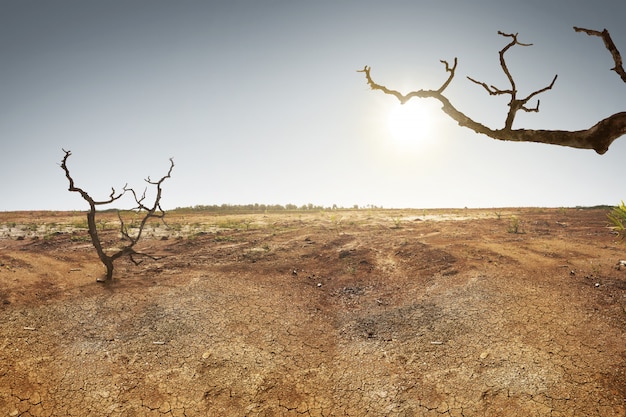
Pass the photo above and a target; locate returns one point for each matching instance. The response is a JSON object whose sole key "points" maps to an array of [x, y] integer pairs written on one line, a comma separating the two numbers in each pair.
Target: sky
{"points": [[261, 102]]}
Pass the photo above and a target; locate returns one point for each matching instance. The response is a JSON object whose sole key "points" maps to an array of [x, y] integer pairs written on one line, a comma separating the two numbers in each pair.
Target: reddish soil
{"points": [[348, 313]]}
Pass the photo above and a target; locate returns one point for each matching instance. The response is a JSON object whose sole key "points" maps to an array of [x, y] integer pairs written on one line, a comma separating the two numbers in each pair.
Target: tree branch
{"points": [[598, 137], [491, 89], [515, 104], [420, 93], [449, 69], [610, 46], [531, 95], [84, 194]]}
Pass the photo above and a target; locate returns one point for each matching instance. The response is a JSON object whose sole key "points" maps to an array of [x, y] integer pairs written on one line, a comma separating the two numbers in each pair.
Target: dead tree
{"points": [[598, 137], [131, 239]]}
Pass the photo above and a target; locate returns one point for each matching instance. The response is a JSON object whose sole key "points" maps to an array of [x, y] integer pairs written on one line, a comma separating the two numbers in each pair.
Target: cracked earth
{"points": [[346, 313]]}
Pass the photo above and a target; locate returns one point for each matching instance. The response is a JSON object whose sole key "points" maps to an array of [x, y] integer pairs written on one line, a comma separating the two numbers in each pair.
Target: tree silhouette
{"points": [[598, 137], [153, 211]]}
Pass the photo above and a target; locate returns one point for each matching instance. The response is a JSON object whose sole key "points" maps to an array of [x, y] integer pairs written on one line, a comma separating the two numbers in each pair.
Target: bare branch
{"points": [[598, 137], [610, 46], [123, 227], [447, 107], [492, 90], [155, 211], [145, 255], [84, 194], [503, 61], [514, 41], [515, 104], [531, 109], [449, 69], [403, 98], [531, 95]]}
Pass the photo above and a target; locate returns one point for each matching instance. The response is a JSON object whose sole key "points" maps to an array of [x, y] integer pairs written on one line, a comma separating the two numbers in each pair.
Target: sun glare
{"points": [[411, 123]]}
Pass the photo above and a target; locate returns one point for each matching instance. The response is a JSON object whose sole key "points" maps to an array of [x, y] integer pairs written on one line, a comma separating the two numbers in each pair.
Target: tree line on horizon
{"points": [[259, 207]]}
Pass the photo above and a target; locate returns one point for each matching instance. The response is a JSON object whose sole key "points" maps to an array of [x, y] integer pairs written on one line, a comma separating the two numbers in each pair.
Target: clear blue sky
{"points": [[260, 101]]}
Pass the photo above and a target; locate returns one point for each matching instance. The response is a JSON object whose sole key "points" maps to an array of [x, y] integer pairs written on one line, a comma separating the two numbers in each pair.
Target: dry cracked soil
{"points": [[511, 312]]}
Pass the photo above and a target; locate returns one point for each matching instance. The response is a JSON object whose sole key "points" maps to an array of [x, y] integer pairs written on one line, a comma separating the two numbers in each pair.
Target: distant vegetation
{"points": [[262, 208]]}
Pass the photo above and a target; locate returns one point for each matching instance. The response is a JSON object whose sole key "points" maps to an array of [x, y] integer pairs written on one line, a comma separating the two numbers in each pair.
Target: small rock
{"points": [[206, 354], [319, 284], [597, 284], [484, 355]]}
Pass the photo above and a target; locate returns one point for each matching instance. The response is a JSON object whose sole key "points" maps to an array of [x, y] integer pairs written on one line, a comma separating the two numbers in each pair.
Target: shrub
{"points": [[617, 217], [515, 225]]}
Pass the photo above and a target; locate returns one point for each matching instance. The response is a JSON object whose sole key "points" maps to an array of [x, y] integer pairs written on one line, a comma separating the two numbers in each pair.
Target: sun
{"points": [[411, 123]]}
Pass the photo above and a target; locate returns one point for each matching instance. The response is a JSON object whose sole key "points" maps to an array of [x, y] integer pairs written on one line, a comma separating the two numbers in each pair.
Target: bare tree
{"points": [[153, 211], [598, 137]]}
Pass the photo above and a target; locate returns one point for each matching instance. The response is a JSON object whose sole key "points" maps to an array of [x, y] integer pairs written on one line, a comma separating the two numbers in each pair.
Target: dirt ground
{"points": [[508, 312]]}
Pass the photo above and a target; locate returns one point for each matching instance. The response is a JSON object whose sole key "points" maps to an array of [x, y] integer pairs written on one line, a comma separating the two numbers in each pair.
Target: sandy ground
{"points": [[347, 313]]}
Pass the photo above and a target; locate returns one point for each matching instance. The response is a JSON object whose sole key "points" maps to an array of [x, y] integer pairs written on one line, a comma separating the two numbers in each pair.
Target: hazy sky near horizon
{"points": [[260, 101]]}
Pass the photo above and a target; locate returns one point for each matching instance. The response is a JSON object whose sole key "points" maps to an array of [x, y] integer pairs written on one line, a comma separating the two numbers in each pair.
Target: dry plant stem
{"points": [[128, 250], [598, 137]]}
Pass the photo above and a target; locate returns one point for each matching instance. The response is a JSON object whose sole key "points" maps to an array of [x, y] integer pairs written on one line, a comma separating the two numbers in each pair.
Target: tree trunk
{"points": [[95, 240]]}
